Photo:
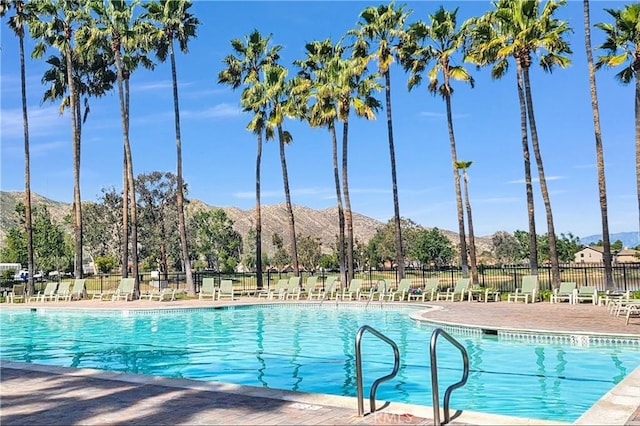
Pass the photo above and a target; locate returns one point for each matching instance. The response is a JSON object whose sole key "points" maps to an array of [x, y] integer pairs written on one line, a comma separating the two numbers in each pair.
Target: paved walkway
{"points": [[33, 394]]}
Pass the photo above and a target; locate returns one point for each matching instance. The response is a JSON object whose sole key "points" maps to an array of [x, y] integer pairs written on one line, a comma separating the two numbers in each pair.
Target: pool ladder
{"points": [[396, 365]]}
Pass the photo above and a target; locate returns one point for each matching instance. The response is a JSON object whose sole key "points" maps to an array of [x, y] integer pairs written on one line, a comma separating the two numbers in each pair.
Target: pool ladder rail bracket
{"points": [[396, 366], [374, 386]]}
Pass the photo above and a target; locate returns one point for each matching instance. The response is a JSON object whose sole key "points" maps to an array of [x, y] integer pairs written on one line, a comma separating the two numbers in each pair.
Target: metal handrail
{"points": [[374, 386], [434, 376]]}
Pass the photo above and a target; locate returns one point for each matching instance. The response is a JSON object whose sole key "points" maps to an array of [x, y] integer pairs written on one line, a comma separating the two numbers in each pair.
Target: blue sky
{"points": [[219, 153]]}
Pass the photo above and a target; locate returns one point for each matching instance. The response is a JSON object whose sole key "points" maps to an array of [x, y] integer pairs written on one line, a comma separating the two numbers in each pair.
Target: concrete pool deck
{"points": [[35, 394]]}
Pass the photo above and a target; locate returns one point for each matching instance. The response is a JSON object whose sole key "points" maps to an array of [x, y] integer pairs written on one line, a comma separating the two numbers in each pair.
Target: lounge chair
{"points": [[293, 288], [79, 291], [353, 291], [126, 290], [17, 294], [380, 290], [431, 289], [566, 291], [168, 294], [49, 293], [64, 291], [310, 287], [281, 289], [207, 289], [528, 292], [404, 286], [588, 293], [458, 292], [226, 290], [320, 293]]}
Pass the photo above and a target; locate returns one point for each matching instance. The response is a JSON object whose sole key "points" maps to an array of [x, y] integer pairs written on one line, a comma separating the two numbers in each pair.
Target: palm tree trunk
{"points": [[28, 222], [472, 239], [348, 219], [287, 196], [125, 169], [394, 180], [259, 284], [191, 288], [602, 186], [456, 181], [344, 218], [551, 232], [637, 112], [533, 244], [75, 131]]}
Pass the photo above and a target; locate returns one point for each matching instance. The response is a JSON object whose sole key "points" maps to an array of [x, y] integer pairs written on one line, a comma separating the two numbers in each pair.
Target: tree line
{"points": [[97, 44]]}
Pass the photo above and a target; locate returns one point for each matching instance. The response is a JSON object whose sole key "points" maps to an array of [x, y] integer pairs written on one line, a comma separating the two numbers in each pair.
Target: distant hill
{"points": [[629, 239], [320, 223]]}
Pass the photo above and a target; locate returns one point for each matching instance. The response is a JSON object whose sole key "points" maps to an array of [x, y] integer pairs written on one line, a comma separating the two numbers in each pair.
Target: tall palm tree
{"points": [[437, 42], [279, 101], [602, 186], [464, 165], [622, 46], [243, 68], [175, 23], [321, 57], [17, 24], [521, 29], [115, 25], [340, 85], [383, 26], [54, 26]]}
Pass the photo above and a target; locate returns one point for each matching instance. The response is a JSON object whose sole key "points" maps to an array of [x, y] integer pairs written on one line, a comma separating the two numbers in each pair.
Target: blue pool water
{"points": [[311, 349]]}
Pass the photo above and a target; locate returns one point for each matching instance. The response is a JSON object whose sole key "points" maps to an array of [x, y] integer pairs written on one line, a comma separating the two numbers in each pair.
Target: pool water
{"points": [[312, 349]]}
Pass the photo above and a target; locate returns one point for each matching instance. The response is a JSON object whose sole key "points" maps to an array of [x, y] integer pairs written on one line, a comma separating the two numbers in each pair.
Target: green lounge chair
{"points": [[293, 288], [208, 289], [431, 289], [126, 290], [17, 294], [353, 291], [226, 290], [458, 292], [404, 286], [566, 291], [79, 290], [325, 291], [588, 293], [168, 294], [64, 291], [528, 292], [310, 286], [49, 293]]}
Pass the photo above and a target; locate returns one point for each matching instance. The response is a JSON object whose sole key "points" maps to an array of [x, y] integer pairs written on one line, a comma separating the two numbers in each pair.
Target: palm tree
{"points": [[383, 26], [602, 186], [321, 58], [438, 42], [519, 30], [279, 100], [175, 23], [464, 165], [17, 23], [243, 68], [340, 85], [114, 25], [54, 24], [622, 46]]}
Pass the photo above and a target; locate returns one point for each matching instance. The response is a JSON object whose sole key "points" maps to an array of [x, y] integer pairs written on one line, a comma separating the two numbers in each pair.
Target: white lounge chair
{"points": [[458, 292], [566, 291], [207, 289], [528, 292]]}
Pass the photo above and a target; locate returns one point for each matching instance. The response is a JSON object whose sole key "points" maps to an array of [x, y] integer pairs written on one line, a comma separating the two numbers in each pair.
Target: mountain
{"points": [[320, 223], [629, 239]]}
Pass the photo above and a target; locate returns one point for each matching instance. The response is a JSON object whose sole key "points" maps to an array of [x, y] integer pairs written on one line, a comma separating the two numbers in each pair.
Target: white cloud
{"points": [[217, 111], [43, 121], [535, 179]]}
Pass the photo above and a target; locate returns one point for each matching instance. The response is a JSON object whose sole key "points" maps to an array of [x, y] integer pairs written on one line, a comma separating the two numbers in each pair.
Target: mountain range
{"points": [[629, 239]]}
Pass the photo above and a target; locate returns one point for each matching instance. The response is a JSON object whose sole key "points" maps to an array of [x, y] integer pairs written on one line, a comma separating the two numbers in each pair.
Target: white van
{"points": [[21, 274]]}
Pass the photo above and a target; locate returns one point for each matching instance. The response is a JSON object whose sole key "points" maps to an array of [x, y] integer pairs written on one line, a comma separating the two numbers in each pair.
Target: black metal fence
{"points": [[502, 278]]}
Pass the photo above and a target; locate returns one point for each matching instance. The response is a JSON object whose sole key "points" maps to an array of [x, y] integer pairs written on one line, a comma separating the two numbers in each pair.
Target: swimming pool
{"points": [[311, 349]]}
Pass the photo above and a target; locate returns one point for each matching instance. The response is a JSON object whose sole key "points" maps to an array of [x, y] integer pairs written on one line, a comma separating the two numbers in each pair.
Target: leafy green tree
{"points": [[106, 264], [102, 224], [438, 41], [14, 247], [243, 68], [175, 22], [379, 35], [381, 248], [249, 256], [506, 247], [17, 24], [309, 250], [622, 46], [432, 247], [617, 245], [215, 239], [281, 256], [568, 246]]}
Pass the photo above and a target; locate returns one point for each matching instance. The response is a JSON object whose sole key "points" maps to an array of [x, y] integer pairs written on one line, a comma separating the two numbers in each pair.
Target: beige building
{"points": [[628, 256], [589, 255]]}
